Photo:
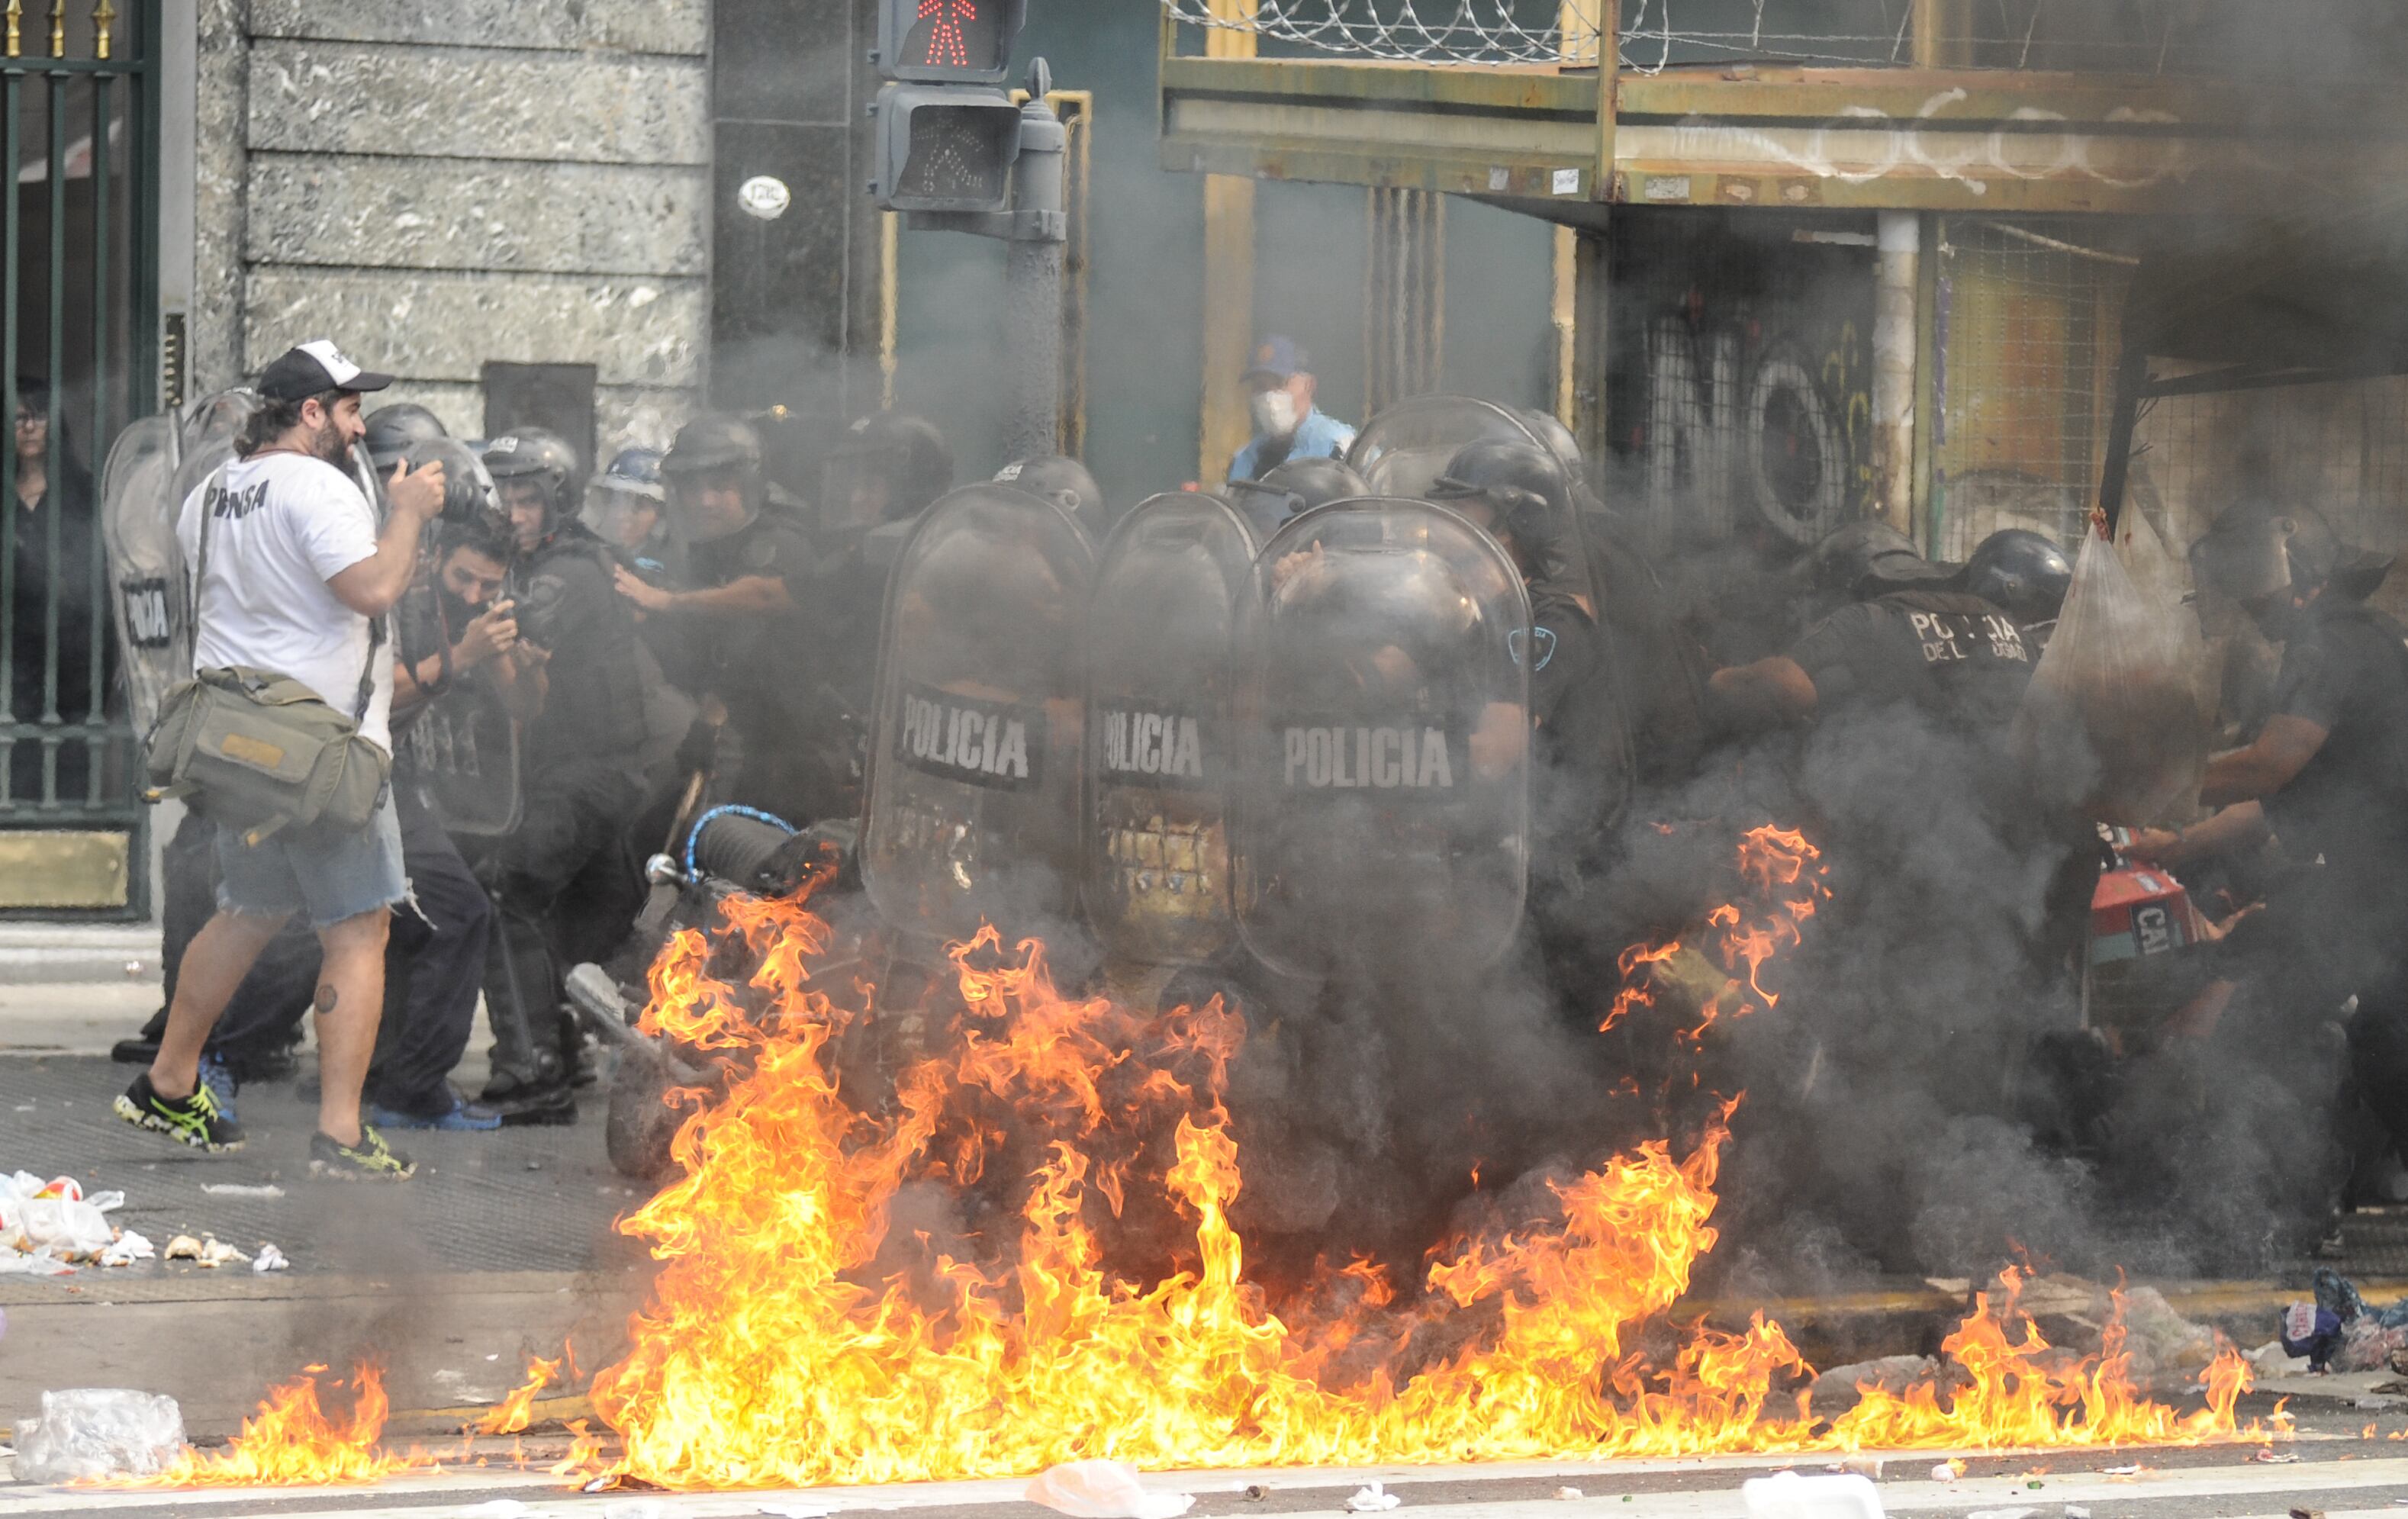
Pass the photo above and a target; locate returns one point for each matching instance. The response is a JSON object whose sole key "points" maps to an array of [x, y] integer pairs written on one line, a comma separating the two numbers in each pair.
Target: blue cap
{"points": [[1279, 357], [637, 472]]}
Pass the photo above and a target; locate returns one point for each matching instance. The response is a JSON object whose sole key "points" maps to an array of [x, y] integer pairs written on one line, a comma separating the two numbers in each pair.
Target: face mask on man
{"points": [[1274, 413]]}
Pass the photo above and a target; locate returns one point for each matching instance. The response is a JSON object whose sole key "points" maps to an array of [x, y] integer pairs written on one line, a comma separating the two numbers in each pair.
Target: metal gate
{"points": [[78, 322]]}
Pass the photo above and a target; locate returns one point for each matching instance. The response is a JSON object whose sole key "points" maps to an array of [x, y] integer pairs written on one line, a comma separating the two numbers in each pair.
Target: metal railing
{"points": [[79, 346]]}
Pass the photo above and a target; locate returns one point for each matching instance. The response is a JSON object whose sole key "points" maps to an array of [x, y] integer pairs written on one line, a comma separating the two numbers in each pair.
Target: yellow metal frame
{"points": [[1929, 138]]}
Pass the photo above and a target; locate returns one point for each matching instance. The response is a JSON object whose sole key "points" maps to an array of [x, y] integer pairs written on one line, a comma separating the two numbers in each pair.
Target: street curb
{"points": [[33, 953]]}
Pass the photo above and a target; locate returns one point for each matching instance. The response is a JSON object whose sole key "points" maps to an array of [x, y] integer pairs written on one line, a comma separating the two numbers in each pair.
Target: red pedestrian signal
{"points": [[948, 41]]}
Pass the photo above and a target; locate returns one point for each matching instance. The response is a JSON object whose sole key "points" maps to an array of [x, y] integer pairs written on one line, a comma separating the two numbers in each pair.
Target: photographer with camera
{"points": [[293, 579], [565, 885]]}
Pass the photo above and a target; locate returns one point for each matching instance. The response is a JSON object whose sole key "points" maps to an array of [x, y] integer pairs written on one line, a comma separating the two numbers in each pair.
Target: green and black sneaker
{"points": [[370, 1160], [196, 1119]]}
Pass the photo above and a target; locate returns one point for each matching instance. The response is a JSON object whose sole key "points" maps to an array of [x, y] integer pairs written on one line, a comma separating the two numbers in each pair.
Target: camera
{"points": [[468, 495]]}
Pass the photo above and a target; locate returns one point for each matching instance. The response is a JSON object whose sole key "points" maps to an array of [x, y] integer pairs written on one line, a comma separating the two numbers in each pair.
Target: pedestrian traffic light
{"points": [[948, 41], [944, 148]]}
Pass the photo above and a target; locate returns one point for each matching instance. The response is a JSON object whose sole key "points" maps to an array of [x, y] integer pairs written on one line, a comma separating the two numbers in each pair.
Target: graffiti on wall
{"points": [[1742, 427]]}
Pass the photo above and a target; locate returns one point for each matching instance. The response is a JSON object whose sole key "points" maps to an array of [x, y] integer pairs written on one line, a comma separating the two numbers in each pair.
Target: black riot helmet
{"points": [[1863, 559], [536, 454], [1549, 429], [888, 467], [2023, 573], [1524, 487], [1316, 481], [1296, 486], [393, 430], [713, 441], [1066, 482]]}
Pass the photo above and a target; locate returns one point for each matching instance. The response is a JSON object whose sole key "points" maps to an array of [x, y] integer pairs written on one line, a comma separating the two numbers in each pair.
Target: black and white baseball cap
{"points": [[313, 368]]}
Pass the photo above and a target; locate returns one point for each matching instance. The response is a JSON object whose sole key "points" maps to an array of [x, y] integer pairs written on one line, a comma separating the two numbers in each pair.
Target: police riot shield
{"points": [[972, 810], [1404, 448], [146, 569], [462, 756], [1155, 863], [1384, 743]]}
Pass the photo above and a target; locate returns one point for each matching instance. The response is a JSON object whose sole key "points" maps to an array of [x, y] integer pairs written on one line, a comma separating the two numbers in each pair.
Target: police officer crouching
{"points": [[740, 616], [565, 884]]}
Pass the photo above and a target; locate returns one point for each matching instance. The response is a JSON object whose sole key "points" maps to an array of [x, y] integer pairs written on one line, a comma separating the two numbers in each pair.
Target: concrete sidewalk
{"points": [[73, 1017]]}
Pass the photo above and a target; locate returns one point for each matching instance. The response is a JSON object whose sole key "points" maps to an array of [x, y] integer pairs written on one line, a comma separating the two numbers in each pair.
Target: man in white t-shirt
{"points": [[298, 571]]}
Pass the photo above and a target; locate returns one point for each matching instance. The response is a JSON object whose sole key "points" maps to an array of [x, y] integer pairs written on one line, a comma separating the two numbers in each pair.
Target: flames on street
{"points": [[293, 1441], [809, 1324]]}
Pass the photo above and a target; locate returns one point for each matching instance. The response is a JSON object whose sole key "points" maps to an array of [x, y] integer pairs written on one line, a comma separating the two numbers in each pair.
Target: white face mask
{"points": [[1274, 413]]}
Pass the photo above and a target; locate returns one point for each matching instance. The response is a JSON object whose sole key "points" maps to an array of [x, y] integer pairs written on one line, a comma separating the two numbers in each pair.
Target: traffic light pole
{"points": [[1033, 284], [1038, 229]]}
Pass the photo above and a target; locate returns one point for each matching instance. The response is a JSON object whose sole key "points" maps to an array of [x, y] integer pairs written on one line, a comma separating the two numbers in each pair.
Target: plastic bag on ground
{"points": [[2117, 718], [55, 1219], [1103, 1490], [83, 1433]]}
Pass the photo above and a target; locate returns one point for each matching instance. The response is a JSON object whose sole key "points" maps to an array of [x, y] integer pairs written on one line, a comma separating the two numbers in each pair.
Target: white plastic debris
{"points": [[1948, 1470], [1569, 1495], [796, 1510], [54, 1218], [84, 1433], [2133, 1471], [130, 1247], [183, 1247], [1786, 1495], [2002, 1513], [241, 1189], [1372, 1499], [269, 1259], [1103, 1490]]}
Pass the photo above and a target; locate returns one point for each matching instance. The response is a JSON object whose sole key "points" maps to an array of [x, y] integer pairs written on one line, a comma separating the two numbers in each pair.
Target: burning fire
{"points": [[1786, 881], [513, 1413], [796, 1336], [293, 1441], [1016, 1249]]}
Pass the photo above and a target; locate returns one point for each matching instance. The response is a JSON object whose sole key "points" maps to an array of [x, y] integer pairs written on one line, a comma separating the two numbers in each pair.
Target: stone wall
{"points": [[445, 182]]}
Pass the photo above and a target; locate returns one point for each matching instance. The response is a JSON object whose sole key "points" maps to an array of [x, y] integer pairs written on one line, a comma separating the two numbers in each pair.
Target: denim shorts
{"points": [[327, 877]]}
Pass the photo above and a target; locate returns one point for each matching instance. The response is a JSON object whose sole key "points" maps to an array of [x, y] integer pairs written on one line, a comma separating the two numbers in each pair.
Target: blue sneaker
{"points": [[463, 1118], [218, 1077]]}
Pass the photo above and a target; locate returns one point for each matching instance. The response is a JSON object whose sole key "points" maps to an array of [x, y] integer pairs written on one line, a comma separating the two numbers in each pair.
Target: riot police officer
{"points": [[1519, 492], [564, 883], [741, 620], [2328, 775], [1897, 631]]}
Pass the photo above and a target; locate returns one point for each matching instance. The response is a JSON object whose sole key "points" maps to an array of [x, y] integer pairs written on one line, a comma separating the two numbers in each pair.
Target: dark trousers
{"points": [[566, 887], [433, 964], [433, 961]]}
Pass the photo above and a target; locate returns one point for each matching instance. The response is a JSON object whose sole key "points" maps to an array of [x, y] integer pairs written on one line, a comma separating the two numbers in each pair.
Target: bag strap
{"points": [[216, 488], [212, 489]]}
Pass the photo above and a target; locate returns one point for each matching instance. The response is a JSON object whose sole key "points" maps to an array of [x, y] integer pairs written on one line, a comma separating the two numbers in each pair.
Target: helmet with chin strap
{"points": [[538, 455]]}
